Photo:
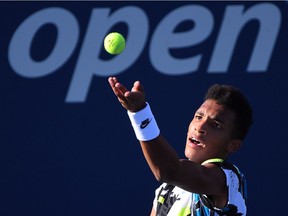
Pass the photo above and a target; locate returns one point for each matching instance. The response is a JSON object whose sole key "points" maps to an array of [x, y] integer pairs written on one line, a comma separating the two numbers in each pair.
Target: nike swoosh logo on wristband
{"points": [[145, 123]]}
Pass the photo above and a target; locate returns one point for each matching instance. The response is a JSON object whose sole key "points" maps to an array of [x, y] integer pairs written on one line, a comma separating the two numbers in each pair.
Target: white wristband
{"points": [[144, 124]]}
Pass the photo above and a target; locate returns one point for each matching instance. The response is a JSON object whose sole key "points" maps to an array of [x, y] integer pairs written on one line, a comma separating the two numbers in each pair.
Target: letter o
{"points": [[19, 47]]}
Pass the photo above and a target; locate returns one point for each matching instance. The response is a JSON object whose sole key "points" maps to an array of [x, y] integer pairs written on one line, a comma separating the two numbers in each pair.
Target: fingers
{"points": [[133, 100], [136, 91], [121, 88], [118, 89], [112, 80]]}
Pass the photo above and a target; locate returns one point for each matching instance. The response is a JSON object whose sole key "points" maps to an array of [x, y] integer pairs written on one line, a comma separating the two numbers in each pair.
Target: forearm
{"points": [[161, 158]]}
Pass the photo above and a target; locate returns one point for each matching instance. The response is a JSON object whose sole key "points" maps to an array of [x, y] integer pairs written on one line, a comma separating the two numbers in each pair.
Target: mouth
{"points": [[195, 142]]}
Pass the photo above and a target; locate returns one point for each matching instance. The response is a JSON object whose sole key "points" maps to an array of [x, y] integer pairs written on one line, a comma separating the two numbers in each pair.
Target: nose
{"points": [[200, 127]]}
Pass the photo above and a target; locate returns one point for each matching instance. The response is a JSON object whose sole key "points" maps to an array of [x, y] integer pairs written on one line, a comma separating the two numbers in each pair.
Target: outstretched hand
{"points": [[133, 100]]}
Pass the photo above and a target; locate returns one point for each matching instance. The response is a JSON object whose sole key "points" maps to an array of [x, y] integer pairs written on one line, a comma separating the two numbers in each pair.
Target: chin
{"points": [[190, 155]]}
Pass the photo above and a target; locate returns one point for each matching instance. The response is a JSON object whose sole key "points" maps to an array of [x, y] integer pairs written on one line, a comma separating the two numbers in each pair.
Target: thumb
{"points": [[137, 87]]}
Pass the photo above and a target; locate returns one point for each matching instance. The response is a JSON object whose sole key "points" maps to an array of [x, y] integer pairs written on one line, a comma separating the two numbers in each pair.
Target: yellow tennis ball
{"points": [[114, 43]]}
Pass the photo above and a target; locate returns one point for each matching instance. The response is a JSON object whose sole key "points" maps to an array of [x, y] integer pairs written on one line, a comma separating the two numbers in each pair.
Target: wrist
{"points": [[136, 109], [144, 124]]}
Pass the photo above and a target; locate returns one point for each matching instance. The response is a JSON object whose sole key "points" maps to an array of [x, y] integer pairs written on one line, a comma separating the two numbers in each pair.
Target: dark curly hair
{"points": [[232, 98]]}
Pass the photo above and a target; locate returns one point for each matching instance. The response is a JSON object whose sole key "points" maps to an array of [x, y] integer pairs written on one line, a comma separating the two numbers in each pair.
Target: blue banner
{"points": [[67, 146]]}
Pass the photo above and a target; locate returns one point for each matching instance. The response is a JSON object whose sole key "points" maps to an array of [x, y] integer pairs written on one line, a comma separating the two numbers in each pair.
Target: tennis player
{"points": [[204, 184]]}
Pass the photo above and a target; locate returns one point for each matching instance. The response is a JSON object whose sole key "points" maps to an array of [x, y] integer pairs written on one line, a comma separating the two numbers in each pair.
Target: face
{"points": [[209, 133]]}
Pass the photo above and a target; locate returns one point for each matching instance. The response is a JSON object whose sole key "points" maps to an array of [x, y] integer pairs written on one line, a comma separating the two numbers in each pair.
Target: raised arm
{"points": [[161, 157]]}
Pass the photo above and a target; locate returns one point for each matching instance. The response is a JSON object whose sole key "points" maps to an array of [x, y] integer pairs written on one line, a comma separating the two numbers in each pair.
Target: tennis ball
{"points": [[114, 43]]}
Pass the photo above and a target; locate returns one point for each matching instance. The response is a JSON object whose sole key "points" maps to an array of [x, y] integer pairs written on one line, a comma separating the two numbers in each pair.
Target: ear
{"points": [[234, 146]]}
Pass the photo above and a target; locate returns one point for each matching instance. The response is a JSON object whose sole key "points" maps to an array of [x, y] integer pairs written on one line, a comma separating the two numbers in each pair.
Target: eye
{"points": [[216, 125], [198, 117]]}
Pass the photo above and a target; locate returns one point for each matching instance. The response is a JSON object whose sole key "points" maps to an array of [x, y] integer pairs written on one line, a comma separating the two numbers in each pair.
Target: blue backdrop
{"points": [[67, 147]]}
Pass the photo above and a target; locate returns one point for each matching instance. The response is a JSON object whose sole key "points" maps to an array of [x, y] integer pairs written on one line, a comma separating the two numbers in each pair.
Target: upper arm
{"points": [[153, 213], [203, 179]]}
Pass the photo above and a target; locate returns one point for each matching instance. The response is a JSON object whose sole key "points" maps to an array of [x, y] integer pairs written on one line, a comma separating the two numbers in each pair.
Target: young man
{"points": [[204, 184]]}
